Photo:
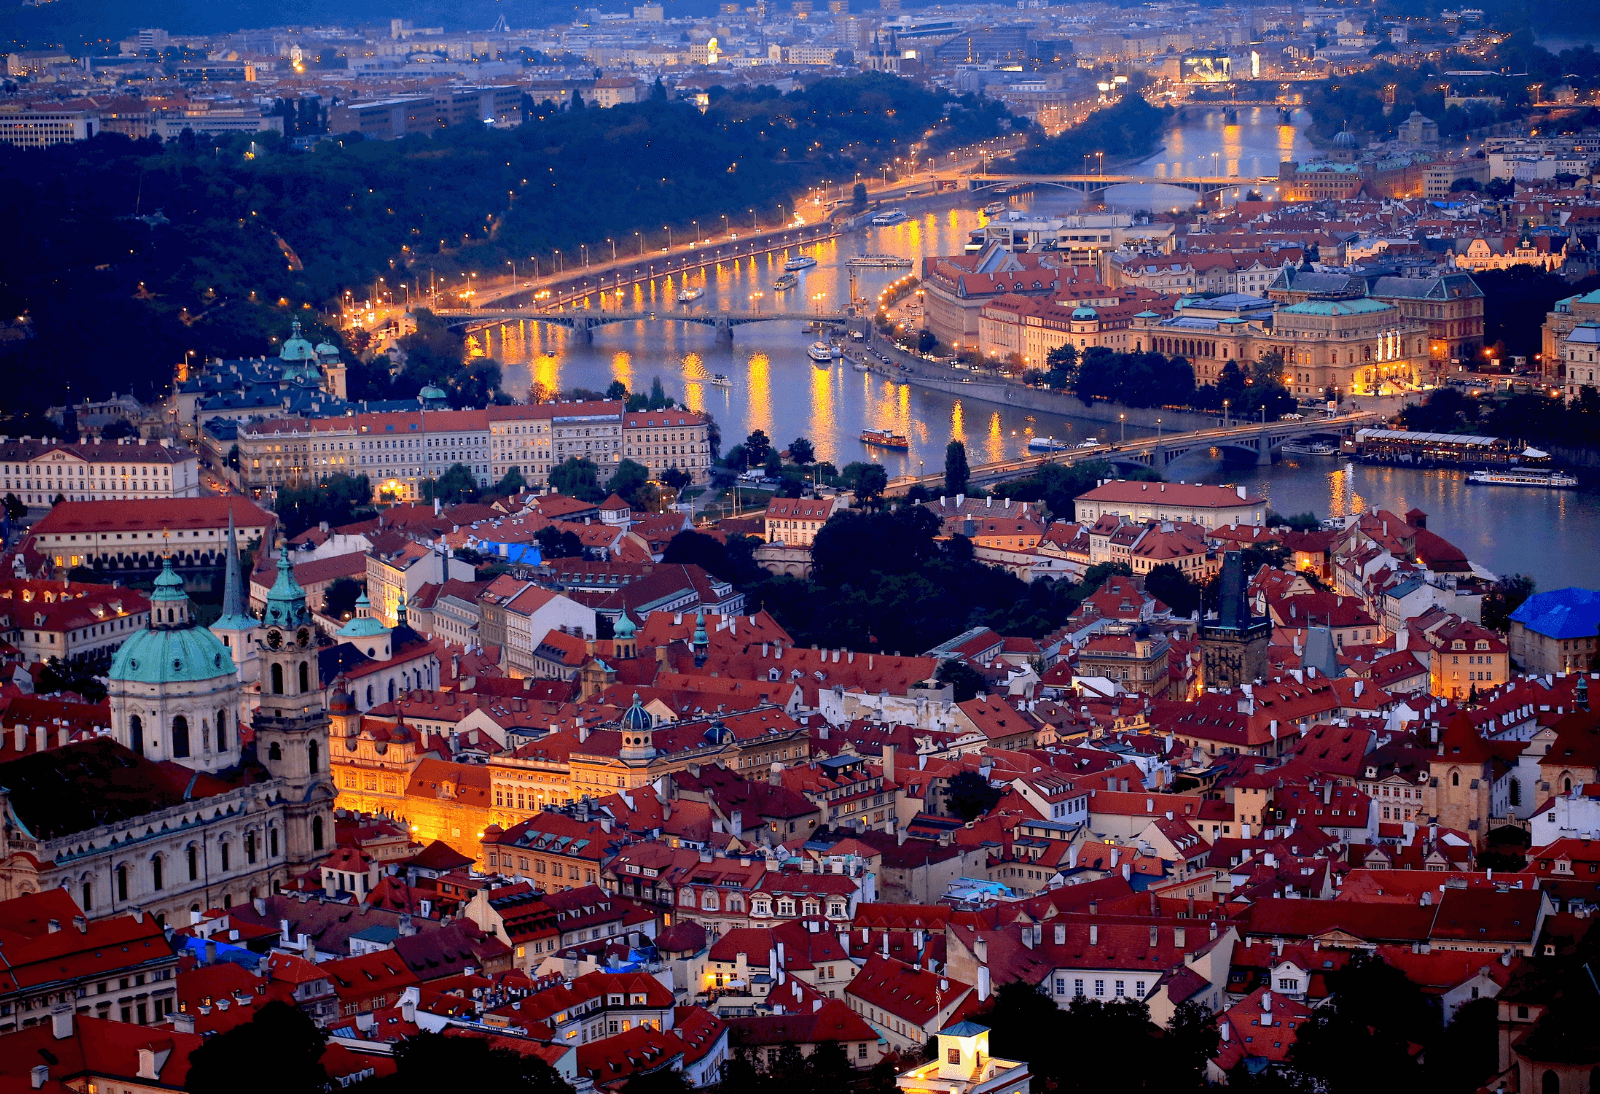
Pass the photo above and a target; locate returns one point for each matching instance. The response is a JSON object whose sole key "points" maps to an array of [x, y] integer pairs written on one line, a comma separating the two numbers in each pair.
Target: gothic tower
{"points": [[1233, 646], [291, 724]]}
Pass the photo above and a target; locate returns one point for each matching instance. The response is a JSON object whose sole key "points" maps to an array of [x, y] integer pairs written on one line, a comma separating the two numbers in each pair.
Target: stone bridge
{"points": [[1089, 185], [583, 323], [1257, 440]]}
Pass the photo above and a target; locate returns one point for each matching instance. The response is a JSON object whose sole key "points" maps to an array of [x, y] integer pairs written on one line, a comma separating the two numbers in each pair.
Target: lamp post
{"points": [[1225, 413], [558, 262], [613, 248], [640, 238], [1123, 420], [668, 229], [1158, 430], [726, 229], [583, 249], [513, 264], [752, 213]]}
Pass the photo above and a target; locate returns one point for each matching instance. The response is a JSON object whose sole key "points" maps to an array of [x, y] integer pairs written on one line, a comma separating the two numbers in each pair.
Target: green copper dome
{"points": [[296, 348], [165, 656], [168, 585], [363, 626], [624, 627]]}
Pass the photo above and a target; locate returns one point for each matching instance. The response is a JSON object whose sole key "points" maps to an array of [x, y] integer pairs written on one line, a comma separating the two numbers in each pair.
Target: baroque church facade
{"points": [[177, 810]]}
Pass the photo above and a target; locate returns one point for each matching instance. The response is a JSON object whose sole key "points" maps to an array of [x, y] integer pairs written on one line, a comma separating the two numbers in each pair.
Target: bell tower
{"points": [[291, 724]]}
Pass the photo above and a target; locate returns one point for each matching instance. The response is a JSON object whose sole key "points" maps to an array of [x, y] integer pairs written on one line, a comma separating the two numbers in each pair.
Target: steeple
{"points": [[234, 617], [701, 643], [286, 600], [169, 603]]}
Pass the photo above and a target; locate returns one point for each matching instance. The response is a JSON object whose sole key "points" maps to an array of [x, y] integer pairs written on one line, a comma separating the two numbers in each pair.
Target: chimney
{"points": [[39, 1075], [983, 983], [183, 1023], [1061, 934], [980, 950], [888, 762], [61, 1021], [1178, 935]]}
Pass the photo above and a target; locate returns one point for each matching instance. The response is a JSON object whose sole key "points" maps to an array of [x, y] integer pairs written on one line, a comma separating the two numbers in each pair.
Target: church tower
{"points": [[291, 724], [236, 627], [1233, 646]]}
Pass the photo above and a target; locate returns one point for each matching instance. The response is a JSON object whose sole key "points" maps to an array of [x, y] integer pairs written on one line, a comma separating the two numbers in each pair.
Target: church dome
{"points": [[170, 656], [362, 625], [341, 702], [431, 394], [1085, 313], [172, 647], [295, 347], [326, 350], [636, 717], [624, 627], [1345, 139]]}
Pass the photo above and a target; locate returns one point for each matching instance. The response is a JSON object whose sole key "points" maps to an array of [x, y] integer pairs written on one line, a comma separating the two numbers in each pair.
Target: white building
{"points": [[38, 472]]}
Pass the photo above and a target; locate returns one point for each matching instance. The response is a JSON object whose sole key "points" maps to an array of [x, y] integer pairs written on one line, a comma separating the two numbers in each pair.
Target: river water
{"points": [[1553, 536]]}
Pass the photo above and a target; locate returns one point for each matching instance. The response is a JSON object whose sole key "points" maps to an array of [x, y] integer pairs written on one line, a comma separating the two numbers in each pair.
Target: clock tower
{"points": [[291, 725]]}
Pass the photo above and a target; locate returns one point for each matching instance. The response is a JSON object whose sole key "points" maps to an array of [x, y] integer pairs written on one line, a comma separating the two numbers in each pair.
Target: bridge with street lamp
{"points": [[1206, 186], [583, 323]]}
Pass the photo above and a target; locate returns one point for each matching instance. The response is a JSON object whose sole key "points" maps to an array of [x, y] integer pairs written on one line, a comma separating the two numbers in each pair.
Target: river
{"points": [[1549, 535]]}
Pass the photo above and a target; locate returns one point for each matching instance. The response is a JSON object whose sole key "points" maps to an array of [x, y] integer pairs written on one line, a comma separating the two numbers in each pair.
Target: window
{"points": [[136, 734], [122, 885], [316, 833], [1099, 989], [193, 857], [277, 679], [222, 731]]}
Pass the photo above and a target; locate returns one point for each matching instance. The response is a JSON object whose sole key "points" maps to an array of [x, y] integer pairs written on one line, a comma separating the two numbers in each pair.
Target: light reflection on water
{"points": [[1550, 535]]}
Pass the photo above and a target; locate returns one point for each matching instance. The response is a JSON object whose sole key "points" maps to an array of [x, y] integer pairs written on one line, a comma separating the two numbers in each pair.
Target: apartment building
{"points": [[120, 535], [38, 472]]}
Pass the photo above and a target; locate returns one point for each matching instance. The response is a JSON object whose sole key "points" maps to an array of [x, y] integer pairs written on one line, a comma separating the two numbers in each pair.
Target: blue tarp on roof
{"points": [[1563, 613]]}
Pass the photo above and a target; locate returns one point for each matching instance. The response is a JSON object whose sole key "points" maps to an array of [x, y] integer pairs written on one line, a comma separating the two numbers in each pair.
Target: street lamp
{"points": [[1158, 429], [513, 264], [752, 213], [613, 248], [726, 229], [1225, 413], [668, 230], [1123, 419], [558, 262], [640, 238]]}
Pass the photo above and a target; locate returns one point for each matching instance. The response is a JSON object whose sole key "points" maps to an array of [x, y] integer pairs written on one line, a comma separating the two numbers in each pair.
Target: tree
{"points": [[956, 472], [858, 196], [511, 483], [1173, 588], [558, 543], [663, 1080], [119, 428], [14, 507], [867, 480], [232, 458], [756, 447], [1367, 1028], [74, 676], [970, 796], [801, 452], [428, 1062], [336, 500], [631, 483], [577, 479], [617, 390], [675, 478], [339, 599], [1504, 597], [457, 485], [284, 1048], [962, 678]]}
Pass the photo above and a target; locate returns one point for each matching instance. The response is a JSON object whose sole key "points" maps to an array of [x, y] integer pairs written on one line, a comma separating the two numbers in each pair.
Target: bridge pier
{"points": [[1263, 452], [582, 328], [724, 329]]}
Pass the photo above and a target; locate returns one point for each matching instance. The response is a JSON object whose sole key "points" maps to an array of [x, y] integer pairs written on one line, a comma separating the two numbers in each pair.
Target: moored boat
{"points": [[820, 352], [1524, 476]]}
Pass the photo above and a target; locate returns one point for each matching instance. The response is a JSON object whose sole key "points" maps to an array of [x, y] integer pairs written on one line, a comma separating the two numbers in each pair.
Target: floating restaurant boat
{"points": [[884, 262], [889, 217], [691, 294], [1309, 448], [786, 282], [1525, 476], [820, 352], [800, 262]]}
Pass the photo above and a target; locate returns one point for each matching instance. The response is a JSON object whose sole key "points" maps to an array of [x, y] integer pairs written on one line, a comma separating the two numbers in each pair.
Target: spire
{"points": [[232, 607], [286, 600]]}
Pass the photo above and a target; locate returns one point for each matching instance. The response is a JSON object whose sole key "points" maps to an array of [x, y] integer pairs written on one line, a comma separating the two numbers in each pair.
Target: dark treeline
{"points": [[1526, 417], [1148, 379], [1130, 128], [126, 255]]}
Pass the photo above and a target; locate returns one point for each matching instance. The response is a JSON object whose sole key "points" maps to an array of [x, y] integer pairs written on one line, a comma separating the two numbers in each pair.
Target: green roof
{"points": [[1360, 306], [363, 626], [286, 600], [170, 655]]}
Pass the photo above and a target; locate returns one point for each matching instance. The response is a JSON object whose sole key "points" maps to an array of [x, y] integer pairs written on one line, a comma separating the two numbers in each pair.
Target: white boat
{"points": [[785, 282], [1524, 476], [888, 217], [994, 208], [1309, 448], [820, 352], [720, 380], [691, 294], [1092, 442], [1047, 444], [860, 366], [800, 262]]}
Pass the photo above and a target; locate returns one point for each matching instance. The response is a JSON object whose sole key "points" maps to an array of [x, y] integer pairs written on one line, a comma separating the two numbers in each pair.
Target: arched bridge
{"points": [[1255, 439], [583, 323], [1204, 185]]}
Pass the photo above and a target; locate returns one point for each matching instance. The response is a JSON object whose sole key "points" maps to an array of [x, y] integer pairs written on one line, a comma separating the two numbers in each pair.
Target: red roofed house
{"points": [[905, 1004], [796, 521], [1210, 506]]}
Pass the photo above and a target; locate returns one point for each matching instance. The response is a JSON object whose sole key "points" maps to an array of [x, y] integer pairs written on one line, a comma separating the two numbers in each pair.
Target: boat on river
{"points": [[884, 438], [1047, 444], [1309, 448], [1540, 478], [882, 262], [786, 282], [800, 262], [889, 217], [691, 294], [820, 352]]}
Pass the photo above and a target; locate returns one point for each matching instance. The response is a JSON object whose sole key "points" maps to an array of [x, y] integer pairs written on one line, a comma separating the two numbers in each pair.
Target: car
{"points": [[1293, 417], [1088, 444]]}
